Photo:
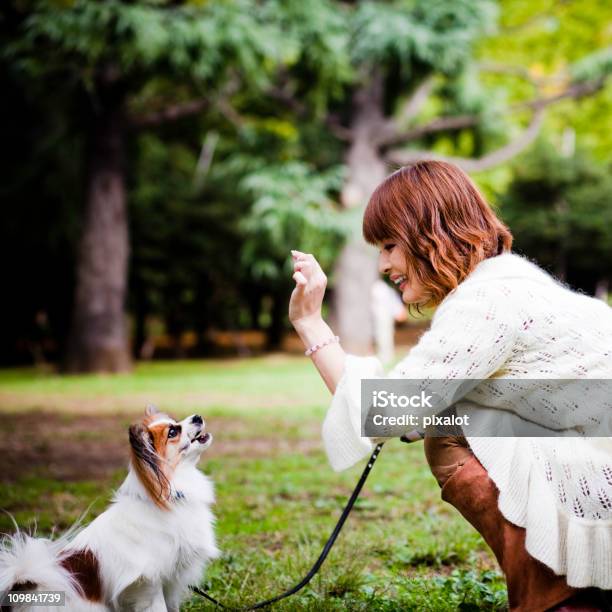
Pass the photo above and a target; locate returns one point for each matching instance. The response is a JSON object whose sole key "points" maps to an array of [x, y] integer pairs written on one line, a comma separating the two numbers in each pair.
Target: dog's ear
{"points": [[150, 410], [146, 463]]}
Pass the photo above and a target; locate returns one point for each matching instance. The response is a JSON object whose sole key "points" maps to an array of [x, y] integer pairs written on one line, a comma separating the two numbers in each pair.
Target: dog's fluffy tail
{"points": [[33, 564]]}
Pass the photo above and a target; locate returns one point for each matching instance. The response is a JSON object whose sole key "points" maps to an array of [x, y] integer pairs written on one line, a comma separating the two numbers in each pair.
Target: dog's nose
{"points": [[196, 419]]}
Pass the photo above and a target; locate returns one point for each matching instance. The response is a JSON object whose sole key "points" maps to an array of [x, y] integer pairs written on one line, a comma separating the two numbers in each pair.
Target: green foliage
{"points": [[466, 93], [199, 42], [184, 244], [559, 210], [463, 590], [317, 34], [548, 35], [184, 266], [594, 66], [273, 74], [557, 43], [435, 34], [292, 209]]}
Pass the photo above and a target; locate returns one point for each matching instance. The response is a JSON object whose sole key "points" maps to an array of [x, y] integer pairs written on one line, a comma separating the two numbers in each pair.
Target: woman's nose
{"points": [[383, 263]]}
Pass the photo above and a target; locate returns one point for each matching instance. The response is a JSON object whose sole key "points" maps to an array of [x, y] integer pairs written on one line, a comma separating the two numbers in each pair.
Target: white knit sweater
{"points": [[510, 319]]}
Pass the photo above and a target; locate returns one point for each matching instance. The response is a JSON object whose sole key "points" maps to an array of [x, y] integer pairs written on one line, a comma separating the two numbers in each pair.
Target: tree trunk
{"points": [[98, 339], [356, 268]]}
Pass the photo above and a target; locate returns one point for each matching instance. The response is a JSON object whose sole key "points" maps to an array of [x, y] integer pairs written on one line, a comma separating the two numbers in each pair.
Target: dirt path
{"points": [[92, 447]]}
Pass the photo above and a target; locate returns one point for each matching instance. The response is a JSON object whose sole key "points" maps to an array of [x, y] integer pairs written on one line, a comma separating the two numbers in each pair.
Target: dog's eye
{"points": [[173, 432]]}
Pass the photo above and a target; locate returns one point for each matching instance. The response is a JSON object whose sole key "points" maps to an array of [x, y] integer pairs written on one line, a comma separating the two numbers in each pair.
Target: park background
{"points": [[161, 158]]}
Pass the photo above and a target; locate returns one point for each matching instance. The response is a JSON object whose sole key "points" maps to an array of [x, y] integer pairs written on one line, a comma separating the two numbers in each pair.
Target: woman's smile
{"points": [[392, 263], [399, 280]]}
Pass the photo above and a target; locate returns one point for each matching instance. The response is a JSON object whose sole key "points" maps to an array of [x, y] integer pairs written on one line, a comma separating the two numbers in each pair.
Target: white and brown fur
{"points": [[144, 551]]}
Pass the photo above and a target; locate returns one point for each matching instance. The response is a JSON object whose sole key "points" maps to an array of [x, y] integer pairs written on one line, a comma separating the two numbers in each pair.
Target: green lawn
{"points": [[64, 448]]}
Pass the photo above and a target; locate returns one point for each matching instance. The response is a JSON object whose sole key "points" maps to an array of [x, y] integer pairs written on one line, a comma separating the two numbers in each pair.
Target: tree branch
{"points": [[205, 160], [508, 69], [170, 113], [414, 104], [189, 108], [441, 124], [409, 110], [230, 113], [286, 97], [538, 82], [281, 94], [530, 21], [575, 91], [494, 158], [341, 132]]}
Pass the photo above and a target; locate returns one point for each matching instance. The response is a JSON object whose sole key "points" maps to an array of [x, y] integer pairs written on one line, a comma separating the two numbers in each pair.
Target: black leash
{"points": [[328, 545]]}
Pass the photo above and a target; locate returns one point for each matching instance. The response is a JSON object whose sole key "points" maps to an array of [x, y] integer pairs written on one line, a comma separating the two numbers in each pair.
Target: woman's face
{"points": [[392, 262]]}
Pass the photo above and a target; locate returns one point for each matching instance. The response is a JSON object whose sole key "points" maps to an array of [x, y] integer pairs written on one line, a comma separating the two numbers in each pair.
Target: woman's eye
{"points": [[172, 432], [389, 247]]}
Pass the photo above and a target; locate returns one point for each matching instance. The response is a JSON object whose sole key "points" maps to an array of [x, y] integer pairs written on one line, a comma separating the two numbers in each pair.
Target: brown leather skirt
{"points": [[532, 586]]}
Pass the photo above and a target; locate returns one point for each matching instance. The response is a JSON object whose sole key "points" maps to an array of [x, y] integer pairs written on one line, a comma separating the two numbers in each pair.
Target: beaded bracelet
{"points": [[315, 347]]}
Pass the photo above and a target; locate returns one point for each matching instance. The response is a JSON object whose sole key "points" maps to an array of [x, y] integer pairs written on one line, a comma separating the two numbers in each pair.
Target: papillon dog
{"points": [[145, 550]]}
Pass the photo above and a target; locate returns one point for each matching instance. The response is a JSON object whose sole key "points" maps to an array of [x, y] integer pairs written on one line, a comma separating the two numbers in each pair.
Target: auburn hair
{"points": [[433, 211]]}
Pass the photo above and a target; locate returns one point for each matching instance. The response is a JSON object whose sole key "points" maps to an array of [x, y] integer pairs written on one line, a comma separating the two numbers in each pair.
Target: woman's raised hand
{"points": [[305, 315], [310, 283]]}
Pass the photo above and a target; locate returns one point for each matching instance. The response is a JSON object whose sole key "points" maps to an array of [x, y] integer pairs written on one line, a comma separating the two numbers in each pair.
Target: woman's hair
{"points": [[433, 211]]}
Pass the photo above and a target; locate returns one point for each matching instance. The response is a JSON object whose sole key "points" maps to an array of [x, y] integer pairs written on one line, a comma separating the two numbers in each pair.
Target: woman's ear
{"points": [[146, 464]]}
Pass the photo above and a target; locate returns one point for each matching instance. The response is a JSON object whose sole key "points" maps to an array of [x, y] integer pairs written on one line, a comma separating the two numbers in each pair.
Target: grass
{"points": [[226, 386], [277, 498]]}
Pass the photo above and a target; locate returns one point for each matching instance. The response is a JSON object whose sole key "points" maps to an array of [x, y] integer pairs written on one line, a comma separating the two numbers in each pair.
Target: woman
{"points": [[544, 505]]}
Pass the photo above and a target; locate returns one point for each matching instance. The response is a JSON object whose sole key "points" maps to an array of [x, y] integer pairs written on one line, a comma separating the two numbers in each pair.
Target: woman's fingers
{"points": [[310, 283], [309, 269], [300, 279], [299, 256], [304, 258], [302, 265]]}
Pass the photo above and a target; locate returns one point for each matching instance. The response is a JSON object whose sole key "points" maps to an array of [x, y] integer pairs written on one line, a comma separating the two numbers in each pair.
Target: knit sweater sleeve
{"points": [[471, 336]]}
